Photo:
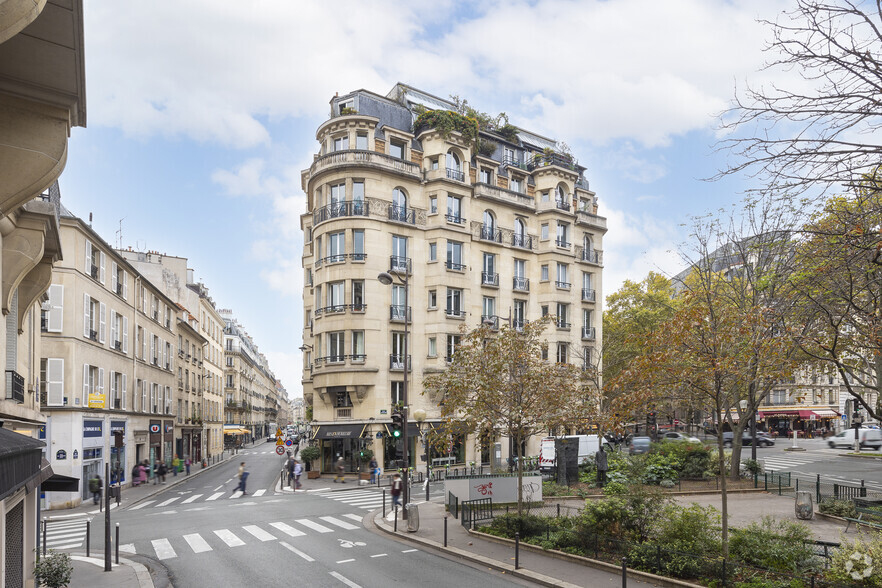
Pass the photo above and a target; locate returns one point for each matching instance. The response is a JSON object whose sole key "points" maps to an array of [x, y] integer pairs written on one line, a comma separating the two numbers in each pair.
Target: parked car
{"points": [[869, 438], [681, 437], [639, 445]]}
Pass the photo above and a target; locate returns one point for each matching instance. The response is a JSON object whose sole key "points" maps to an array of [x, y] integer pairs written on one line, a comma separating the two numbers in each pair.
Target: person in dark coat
{"points": [[600, 460]]}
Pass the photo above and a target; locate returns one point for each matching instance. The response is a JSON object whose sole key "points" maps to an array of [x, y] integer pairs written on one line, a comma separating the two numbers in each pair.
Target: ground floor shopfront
{"points": [[806, 422]]}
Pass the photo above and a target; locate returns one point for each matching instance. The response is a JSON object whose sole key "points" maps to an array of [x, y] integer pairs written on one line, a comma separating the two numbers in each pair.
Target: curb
{"points": [[540, 579], [587, 561], [141, 571]]}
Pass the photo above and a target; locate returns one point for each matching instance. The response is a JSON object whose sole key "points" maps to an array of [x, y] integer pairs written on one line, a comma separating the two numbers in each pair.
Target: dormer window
{"points": [[396, 149]]}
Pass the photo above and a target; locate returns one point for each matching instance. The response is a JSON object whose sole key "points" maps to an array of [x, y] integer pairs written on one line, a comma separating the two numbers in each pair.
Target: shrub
{"points": [[311, 453], [655, 473], [527, 525], [53, 570], [628, 517], [837, 508], [486, 148], [775, 545], [615, 489], [751, 467], [858, 563], [555, 489]]}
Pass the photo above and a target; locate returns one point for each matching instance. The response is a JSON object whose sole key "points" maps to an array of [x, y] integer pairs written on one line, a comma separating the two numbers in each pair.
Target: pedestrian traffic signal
{"points": [[397, 423]]}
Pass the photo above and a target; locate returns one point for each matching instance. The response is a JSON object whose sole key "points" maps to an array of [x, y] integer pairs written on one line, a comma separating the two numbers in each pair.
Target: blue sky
{"points": [[202, 114]]}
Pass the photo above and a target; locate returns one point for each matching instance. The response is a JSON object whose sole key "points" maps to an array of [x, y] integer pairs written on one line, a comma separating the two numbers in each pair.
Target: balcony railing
{"points": [[562, 205], [396, 362], [454, 266], [344, 413], [491, 320], [544, 159], [590, 255], [491, 234], [14, 386], [587, 295], [562, 323], [402, 214], [563, 285], [588, 333], [455, 174], [521, 284], [340, 209], [398, 312], [512, 162], [518, 324], [454, 218], [483, 190], [93, 335], [522, 241], [366, 158], [489, 279], [399, 265], [455, 312], [93, 271], [562, 243], [332, 309]]}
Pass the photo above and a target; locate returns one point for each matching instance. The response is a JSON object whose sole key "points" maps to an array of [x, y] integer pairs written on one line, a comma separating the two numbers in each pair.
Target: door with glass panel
{"points": [[399, 254]]}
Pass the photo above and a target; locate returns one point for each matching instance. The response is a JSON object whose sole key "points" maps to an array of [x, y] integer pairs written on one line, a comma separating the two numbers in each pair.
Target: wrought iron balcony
{"points": [[402, 214], [454, 266], [396, 362], [455, 174], [562, 243], [14, 386], [454, 218], [398, 312], [489, 279], [521, 284], [588, 333], [522, 241], [399, 265], [562, 205], [489, 233], [456, 313], [587, 295], [340, 209], [563, 285]]}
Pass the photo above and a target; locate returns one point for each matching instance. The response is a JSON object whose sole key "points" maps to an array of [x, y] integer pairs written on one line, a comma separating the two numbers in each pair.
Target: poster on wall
{"points": [[96, 400]]}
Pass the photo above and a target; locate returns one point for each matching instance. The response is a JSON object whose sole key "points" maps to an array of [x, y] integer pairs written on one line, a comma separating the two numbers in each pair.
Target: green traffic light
{"points": [[396, 433]]}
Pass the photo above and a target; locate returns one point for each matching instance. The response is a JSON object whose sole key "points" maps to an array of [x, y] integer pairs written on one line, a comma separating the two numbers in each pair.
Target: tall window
{"points": [[485, 175], [358, 253], [399, 310], [454, 256], [398, 359], [358, 296], [341, 143], [563, 315], [489, 274], [544, 273], [361, 141], [358, 345], [396, 149], [563, 278], [358, 197], [562, 353], [520, 275], [397, 392], [488, 308], [518, 313], [335, 297], [454, 209], [520, 234], [452, 345], [454, 302], [433, 347], [563, 235], [399, 198], [335, 346], [336, 247], [543, 231], [515, 184], [338, 193], [399, 253]]}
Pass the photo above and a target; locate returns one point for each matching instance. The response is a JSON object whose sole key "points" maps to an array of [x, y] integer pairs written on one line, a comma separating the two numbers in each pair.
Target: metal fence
{"points": [[479, 509], [453, 504]]}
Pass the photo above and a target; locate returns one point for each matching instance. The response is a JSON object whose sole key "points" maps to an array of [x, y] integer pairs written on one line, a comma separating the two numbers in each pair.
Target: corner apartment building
{"points": [[252, 401], [507, 232], [107, 360], [199, 367], [42, 98]]}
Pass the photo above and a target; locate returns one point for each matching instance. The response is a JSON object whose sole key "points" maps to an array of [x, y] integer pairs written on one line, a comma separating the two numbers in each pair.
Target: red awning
{"points": [[782, 413]]}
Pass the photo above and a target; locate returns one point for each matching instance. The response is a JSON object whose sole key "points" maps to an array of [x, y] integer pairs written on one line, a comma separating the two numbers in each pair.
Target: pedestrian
{"points": [[374, 470], [340, 466], [136, 475], [290, 468], [176, 465], [242, 475], [187, 463], [162, 470], [600, 460], [397, 485], [95, 487], [298, 470], [142, 473]]}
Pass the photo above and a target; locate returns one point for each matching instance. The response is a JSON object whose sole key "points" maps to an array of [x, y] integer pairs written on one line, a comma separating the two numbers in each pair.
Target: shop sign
{"points": [[154, 428], [93, 428], [118, 426], [169, 428], [96, 400]]}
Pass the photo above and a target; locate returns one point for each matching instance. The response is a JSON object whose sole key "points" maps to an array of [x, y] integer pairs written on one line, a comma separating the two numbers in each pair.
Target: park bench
{"points": [[877, 524]]}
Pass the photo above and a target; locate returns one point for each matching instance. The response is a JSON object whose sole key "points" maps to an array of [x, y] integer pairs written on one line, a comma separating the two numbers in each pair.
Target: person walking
{"points": [[397, 486], [95, 487], [600, 460], [374, 470], [176, 465], [136, 475], [290, 468], [243, 476], [187, 463], [340, 466], [162, 470], [298, 470], [142, 473]]}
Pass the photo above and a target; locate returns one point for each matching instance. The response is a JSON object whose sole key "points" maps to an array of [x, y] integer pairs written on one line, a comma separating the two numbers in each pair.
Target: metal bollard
{"points": [[117, 543], [384, 503], [45, 524], [395, 525], [88, 536], [624, 572], [517, 549], [445, 530]]}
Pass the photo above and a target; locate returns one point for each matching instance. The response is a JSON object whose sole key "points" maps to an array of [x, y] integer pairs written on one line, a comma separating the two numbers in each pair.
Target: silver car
{"points": [[639, 445]]}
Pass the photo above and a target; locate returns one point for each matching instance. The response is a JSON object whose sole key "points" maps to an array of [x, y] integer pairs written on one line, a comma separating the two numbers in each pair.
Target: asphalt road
{"points": [[207, 535]]}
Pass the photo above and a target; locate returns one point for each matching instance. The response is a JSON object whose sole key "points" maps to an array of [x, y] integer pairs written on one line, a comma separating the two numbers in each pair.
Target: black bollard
{"points": [[117, 543], [445, 530], [45, 524], [395, 525], [517, 549], [88, 536], [624, 572], [384, 503]]}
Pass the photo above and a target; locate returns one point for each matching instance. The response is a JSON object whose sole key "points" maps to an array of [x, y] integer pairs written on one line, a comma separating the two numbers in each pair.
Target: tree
{"points": [[838, 283], [822, 130], [500, 383]]}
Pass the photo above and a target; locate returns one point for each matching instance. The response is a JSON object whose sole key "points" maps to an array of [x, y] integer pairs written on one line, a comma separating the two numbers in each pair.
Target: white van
{"points": [[588, 446], [869, 438]]}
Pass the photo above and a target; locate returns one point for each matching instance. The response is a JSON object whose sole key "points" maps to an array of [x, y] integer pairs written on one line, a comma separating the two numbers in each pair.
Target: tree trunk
{"points": [[724, 506], [520, 477]]}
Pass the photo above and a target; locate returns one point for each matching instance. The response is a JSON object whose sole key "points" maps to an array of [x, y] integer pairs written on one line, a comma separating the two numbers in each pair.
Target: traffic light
{"points": [[650, 418], [397, 424]]}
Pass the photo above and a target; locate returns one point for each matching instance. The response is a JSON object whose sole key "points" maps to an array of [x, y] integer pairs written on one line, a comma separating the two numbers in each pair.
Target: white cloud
{"points": [[632, 166], [288, 368]]}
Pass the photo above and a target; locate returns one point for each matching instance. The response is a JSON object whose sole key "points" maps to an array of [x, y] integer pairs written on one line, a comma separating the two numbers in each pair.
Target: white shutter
{"points": [[152, 348], [124, 391], [144, 345], [99, 388], [112, 400], [114, 334], [56, 308], [103, 261], [88, 258], [86, 384], [125, 278], [55, 383], [102, 313], [113, 282], [87, 319], [125, 334]]}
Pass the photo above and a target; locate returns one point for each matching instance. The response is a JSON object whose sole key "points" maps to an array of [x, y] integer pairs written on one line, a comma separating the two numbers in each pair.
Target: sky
{"points": [[202, 114]]}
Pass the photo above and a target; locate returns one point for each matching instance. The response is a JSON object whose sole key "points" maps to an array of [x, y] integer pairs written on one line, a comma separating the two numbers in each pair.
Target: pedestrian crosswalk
{"points": [[777, 463], [364, 499], [173, 547], [175, 501], [65, 534]]}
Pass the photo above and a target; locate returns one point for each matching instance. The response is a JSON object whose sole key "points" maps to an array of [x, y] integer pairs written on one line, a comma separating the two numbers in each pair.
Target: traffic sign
{"points": [[278, 432], [279, 442], [280, 450], [289, 442]]}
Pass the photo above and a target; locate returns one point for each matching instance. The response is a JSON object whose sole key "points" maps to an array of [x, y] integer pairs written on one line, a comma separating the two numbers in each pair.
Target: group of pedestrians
{"points": [[295, 470]]}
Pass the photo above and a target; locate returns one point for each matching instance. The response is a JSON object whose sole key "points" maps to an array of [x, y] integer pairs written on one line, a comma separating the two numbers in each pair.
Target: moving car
{"points": [[763, 439], [639, 445], [869, 438], [681, 437]]}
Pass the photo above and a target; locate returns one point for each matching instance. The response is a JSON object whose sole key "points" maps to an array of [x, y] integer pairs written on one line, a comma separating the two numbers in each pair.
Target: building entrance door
{"points": [[90, 470]]}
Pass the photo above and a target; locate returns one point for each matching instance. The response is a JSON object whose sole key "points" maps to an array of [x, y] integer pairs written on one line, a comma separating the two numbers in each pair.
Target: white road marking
{"points": [[295, 550], [215, 496], [260, 492], [409, 550], [163, 549], [167, 502], [227, 537], [288, 529], [380, 555], [313, 525], [259, 533], [319, 489], [197, 543], [164, 512], [345, 580], [339, 523], [198, 508], [127, 548], [354, 517], [345, 561], [191, 499], [218, 488], [64, 535], [143, 504]]}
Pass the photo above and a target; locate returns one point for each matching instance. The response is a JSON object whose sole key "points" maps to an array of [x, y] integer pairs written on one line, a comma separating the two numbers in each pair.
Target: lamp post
{"points": [[420, 416], [387, 279]]}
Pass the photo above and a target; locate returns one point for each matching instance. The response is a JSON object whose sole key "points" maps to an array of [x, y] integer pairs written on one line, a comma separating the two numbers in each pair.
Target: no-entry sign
{"points": [[280, 450]]}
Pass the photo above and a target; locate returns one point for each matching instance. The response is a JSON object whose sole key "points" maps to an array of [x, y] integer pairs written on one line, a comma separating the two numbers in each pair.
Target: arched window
{"points": [[520, 238], [489, 220], [453, 161], [488, 231], [588, 253], [561, 198], [399, 198]]}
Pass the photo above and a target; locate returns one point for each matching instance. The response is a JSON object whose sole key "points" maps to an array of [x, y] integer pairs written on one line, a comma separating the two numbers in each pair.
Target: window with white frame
{"points": [[118, 390], [433, 204], [433, 252], [119, 281], [358, 353], [433, 299], [398, 359], [397, 392], [336, 247], [544, 272], [396, 148], [515, 184], [454, 302], [454, 208], [519, 313], [94, 319], [119, 331], [543, 231], [358, 252], [563, 315], [52, 310], [336, 351], [563, 275], [93, 384], [452, 345], [563, 234], [52, 376], [336, 298], [454, 256], [361, 141], [433, 347], [563, 355], [95, 262], [485, 176], [358, 304], [341, 143]]}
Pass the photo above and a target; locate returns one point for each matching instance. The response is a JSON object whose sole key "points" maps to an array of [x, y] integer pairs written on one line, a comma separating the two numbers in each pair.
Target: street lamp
{"points": [[420, 416], [387, 279]]}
